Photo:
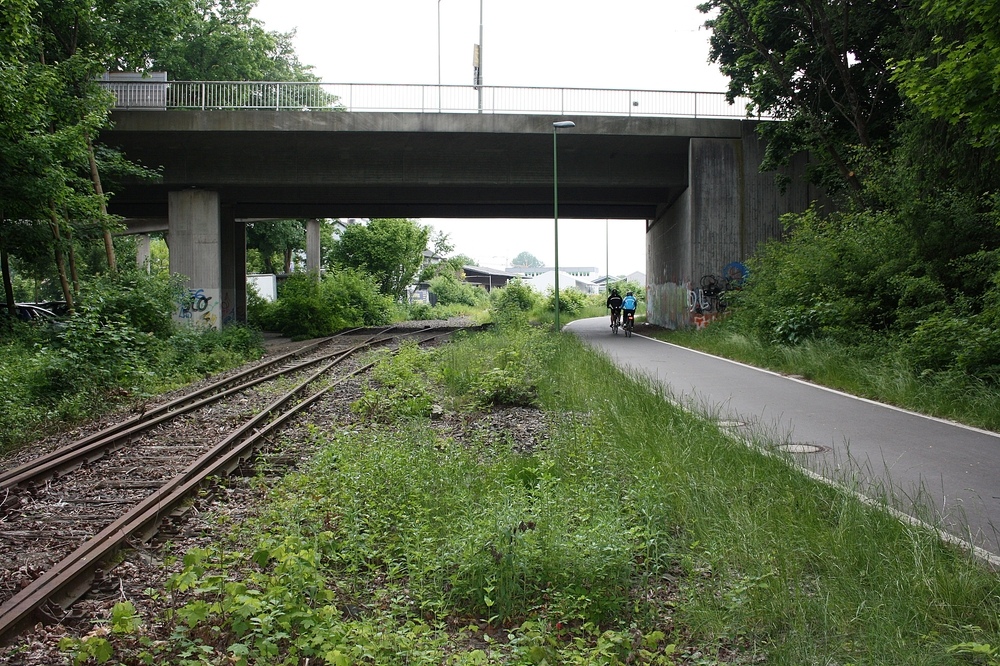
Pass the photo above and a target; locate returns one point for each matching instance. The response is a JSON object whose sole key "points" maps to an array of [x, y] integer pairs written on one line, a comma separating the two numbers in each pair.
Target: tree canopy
{"points": [[218, 40], [957, 79], [52, 198], [391, 249], [526, 259], [820, 66]]}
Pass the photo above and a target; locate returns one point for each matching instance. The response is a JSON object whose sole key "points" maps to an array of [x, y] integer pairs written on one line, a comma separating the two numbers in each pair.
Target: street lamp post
{"points": [[439, 56], [479, 82], [556, 126]]}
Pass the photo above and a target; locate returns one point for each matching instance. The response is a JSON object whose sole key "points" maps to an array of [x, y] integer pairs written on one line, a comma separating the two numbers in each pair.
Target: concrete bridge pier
{"points": [[208, 247]]}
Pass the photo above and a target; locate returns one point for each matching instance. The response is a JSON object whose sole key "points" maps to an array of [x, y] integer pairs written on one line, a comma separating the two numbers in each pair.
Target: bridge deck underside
{"points": [[302, 172]]}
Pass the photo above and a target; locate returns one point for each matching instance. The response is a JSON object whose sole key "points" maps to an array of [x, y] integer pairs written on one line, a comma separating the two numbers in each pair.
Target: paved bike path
{"points": [[954, 468]]}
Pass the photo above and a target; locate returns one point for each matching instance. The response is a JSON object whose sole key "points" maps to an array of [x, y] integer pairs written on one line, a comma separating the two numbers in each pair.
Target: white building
{"points": [[547, 280]]}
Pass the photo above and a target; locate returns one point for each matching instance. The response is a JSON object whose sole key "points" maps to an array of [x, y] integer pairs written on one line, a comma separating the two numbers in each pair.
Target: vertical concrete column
{"points": [[142, 251], [312, 247], [234, 267], [240, 260], [195, 228]]}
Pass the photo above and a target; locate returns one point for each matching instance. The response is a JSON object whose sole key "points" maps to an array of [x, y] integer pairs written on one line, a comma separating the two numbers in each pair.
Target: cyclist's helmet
{"points": [[628, 293], [614, 292]]}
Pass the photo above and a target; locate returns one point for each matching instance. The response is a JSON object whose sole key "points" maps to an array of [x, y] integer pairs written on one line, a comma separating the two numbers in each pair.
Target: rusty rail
{"points": [[67, 578]]}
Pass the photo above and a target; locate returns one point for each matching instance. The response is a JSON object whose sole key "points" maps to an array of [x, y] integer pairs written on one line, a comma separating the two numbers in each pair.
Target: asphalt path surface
{"points": [[943, 473]]}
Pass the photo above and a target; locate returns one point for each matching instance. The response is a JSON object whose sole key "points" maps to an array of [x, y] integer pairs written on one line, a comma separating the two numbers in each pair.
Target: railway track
{"points": [[68, 511]]}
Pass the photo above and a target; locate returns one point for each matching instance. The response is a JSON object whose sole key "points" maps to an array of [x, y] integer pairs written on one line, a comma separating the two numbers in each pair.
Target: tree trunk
{"points": [[60, 263], [95, 176], [72, 263], [8, 284]]}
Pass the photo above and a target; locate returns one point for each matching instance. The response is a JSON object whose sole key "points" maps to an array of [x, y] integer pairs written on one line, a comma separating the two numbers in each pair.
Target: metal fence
{"points": [[420, 98]]}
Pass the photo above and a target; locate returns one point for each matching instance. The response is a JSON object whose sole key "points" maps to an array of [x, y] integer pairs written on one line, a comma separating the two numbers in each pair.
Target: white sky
{"points": [[630, 44]]}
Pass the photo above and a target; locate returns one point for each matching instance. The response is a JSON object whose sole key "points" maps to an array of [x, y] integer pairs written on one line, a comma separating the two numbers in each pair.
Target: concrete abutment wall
{"points": [[727, 211]]}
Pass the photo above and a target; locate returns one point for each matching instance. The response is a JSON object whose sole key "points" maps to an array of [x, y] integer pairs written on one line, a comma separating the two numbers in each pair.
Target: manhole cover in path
{"points": [[802, 448]]}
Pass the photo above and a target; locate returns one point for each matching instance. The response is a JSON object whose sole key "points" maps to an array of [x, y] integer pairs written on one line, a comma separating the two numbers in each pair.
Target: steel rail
{"points": [[128, 423], [220, 459], [91, 447]]}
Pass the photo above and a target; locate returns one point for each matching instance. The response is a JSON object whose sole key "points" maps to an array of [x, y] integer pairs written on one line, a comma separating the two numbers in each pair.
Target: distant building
{"points": [[547, 280], [487, 278], [638, 277], [588, 273]]}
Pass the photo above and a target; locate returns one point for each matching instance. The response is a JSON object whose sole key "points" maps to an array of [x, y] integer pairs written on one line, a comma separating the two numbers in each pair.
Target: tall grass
{"points": [[876, 371], [53, 379], [636, 533]]}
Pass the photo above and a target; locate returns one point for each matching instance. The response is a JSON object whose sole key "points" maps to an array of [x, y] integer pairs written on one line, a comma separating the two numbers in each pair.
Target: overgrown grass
{"points": [[638, 533], [53, 379], [877, 370]]}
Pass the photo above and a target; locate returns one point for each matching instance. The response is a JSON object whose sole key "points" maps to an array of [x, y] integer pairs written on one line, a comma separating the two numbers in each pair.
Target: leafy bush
{"points": [[95, 352], [836, 277], [516, 295], [571, 301], [259, 310], [419, 312], [510, 305], [198, 352], [301, 311], [309, 308], [452, 291], [145, 302], [356, 297]]}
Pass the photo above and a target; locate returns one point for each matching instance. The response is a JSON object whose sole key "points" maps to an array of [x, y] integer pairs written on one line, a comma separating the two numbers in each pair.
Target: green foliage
{"points": [[219, 40], [98, 360], [452, 291], [195, 353], [309, 308], [571, 301], [956, 78], [794, 62], [145, 301], [492, 374], [398, 387], [95, 353], [842, 276], [390, 249], [275, 241], [631, 533], [526, 259], [259, 310]]}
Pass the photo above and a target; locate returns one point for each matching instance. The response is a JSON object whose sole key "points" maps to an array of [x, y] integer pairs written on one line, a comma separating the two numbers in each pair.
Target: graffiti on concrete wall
{"points": [[708, 302], [673, 305], [198, 307]]}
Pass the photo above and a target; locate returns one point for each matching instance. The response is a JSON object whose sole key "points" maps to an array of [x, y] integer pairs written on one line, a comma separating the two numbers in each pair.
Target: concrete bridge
{"points": [[693, 179]]}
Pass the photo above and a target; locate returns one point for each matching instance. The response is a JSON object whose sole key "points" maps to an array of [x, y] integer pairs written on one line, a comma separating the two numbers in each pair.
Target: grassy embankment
{"points": [[876, 371], [52, 380], [636, 533]]}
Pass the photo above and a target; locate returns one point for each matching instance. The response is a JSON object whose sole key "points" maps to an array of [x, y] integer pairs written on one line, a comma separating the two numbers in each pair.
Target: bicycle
{"points": [[629, 325], [616, 320]]}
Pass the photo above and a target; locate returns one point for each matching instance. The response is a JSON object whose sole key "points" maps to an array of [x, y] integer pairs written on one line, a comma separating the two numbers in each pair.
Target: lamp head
{"points": [[563, 124]]}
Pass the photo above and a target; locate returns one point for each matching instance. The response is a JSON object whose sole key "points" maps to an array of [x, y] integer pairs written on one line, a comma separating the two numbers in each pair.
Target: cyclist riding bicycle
{"points": [[615, 304], [629, 303]]}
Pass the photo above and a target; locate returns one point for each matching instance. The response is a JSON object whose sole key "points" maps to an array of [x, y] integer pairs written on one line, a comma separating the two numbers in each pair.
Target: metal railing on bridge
{"points": [[420, 98]]}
